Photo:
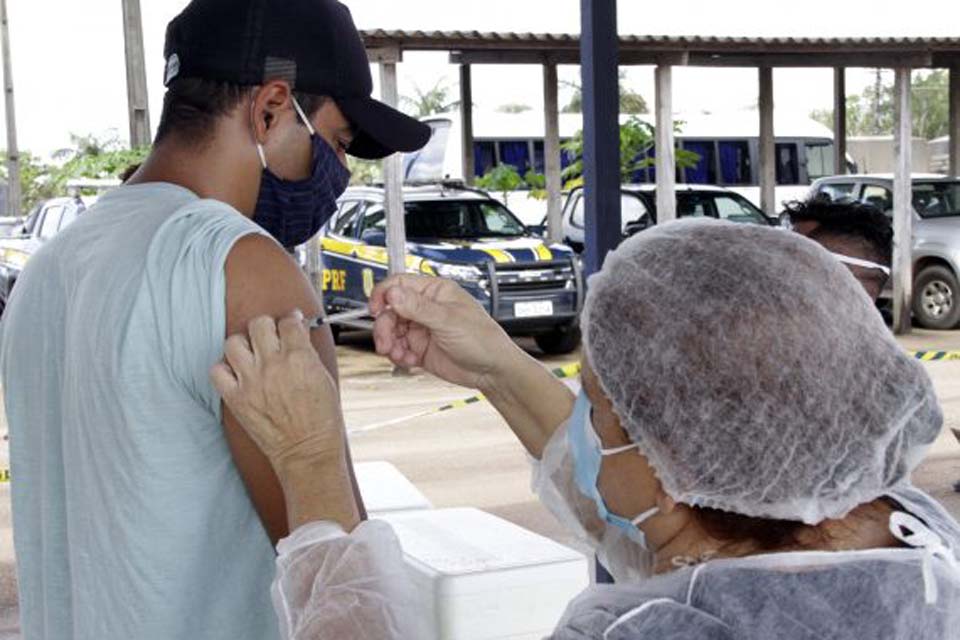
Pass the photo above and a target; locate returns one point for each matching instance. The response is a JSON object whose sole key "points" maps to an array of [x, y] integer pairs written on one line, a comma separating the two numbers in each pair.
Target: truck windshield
{"points": [[452, 219], [936, 199]]}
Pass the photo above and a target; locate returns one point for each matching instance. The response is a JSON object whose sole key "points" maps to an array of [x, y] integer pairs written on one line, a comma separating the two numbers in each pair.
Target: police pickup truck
{"points": [[463, 234], [42, 223]]}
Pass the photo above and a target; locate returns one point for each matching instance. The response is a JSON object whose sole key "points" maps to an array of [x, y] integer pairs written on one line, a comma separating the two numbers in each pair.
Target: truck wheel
{"points": [[936, 298], [559, 341]]}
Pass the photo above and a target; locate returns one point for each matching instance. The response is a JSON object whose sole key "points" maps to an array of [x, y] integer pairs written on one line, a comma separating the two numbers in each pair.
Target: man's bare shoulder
{"points": [[263, 279]]}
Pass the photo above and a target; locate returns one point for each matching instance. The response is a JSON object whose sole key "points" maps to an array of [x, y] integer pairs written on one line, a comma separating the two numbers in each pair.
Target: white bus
{"points": [[728, 146]]}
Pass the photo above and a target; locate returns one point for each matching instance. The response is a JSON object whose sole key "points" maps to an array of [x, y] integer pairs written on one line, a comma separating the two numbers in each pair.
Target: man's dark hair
{"points": [[192, 106], [851, 220]]}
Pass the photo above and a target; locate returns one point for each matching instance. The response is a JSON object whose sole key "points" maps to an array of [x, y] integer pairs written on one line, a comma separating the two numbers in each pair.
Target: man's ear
{"points": [[269, 101]]}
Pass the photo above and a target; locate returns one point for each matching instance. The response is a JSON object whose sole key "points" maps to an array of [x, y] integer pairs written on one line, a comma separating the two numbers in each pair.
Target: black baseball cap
{"points": [[313, 44]]}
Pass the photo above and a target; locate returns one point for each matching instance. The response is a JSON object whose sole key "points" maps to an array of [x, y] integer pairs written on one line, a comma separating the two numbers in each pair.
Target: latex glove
{"points": [[279, 390], [433, 323]]}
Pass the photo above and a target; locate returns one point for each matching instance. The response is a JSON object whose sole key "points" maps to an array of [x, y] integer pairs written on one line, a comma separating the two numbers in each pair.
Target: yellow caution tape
{"points": [[931, 356]]}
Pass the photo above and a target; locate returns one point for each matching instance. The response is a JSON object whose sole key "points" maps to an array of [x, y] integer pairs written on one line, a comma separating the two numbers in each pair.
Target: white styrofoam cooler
{"points": [[386, 490], [478, 577]]}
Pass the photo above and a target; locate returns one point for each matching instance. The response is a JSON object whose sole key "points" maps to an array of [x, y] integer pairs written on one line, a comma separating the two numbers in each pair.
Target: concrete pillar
{"points": [[393, 181], [466, 120], [768, 150], [551, 153], [13, 154], [599, 46], [902, 205], [139, 106], [840, 120], [666, 161], [954, 142]]}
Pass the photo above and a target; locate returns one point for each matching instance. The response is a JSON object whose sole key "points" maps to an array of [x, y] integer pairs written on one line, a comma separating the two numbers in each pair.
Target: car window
{"points": [[737, 209], [837, 191], [878, 196], [632, 209], [691, 205], [788, 164], [578, 217], [735, 162], [51, 222], [69, 215], [463, 219], [375, 217], [936, 199], [346, 223]]}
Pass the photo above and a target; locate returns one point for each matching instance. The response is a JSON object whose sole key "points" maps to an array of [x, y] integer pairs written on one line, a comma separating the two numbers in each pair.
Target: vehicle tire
{"points": [[936, 298], [559, 341]]}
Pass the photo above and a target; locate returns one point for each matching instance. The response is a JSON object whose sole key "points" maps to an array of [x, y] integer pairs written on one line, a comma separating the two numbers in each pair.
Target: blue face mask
{"points": [[293, 211], [588, 452]]}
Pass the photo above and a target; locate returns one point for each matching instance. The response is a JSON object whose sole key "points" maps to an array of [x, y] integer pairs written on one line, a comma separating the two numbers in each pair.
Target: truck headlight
{"points": [[459, 272]]}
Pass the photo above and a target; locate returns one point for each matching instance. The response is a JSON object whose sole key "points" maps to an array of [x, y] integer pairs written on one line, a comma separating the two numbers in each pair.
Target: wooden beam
{"points": [[902, 204], [666, 161], [14, 199], [768, 166], [601, 135], [468, 164], [551, 153], [840, 120], [839, 59], [393, 182], [391, 55], [138, 106], [522, 56], [954, 132]]}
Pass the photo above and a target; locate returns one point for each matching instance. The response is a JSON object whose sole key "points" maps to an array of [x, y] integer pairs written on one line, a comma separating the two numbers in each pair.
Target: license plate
{"points": [[533, 309]]}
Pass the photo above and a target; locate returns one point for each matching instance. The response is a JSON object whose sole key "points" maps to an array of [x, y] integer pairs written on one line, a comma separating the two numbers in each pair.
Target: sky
{"points": [[69, 77]]}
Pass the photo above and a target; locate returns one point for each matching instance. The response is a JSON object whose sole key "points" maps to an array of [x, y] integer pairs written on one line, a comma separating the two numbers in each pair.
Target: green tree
{"points": [[637, 141], [502, 178], [872, 112], [433, 100], [630, 101], [364, 172]]}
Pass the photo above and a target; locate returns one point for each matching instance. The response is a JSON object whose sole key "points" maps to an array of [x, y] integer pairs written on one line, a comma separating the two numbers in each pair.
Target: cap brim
{"points": [[380, 129]]}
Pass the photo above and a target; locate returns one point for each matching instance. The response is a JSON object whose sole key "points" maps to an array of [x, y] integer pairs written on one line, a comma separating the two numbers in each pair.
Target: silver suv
{"points": [[936, 237]]}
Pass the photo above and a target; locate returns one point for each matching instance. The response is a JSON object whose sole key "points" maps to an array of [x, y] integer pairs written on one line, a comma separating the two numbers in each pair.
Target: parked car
{"points": [[463, 234], [11, 226], [936, 237], [42, 223], [638, 209]]}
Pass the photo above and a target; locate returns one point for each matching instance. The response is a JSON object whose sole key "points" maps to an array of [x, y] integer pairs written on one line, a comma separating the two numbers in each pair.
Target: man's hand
{"points": [[433, 323], [283, 396]]}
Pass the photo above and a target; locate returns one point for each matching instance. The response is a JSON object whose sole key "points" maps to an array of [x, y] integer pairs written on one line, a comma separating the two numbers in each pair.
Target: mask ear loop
{"points": [[253, 130], [296, 105]]}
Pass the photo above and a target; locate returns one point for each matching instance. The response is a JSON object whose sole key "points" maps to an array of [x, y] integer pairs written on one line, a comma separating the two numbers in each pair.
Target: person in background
{"points": [[859, 234], [743, 473], [141, 509]]}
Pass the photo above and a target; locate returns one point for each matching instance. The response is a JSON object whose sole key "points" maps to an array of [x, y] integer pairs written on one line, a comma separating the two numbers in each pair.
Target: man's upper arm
{"points": [[262, 279]]}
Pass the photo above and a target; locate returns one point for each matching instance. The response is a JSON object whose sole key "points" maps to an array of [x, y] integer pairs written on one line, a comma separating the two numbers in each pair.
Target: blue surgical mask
{"points": [[588, 452], [293, 211]]}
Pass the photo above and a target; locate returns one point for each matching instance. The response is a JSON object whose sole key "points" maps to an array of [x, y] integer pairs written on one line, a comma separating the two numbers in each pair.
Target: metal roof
{"points": [[507, 47]]}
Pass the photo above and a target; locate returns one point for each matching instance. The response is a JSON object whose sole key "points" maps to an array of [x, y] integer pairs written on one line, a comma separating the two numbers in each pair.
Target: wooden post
{"points": [[599, 46], [840, 120], [551, 153], [902, 205], [393, 181], [954, 133], [466, 123], [138, 104], [13, 153], [768, 149], [666, 162]]}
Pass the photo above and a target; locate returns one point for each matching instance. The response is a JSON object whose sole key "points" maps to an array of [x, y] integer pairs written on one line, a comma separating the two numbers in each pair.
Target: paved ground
{"points": [[468, 457]]}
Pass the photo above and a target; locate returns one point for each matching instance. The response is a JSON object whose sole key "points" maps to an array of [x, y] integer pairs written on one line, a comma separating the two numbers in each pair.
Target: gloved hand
{"points": [[433, 323], [279, 390]]}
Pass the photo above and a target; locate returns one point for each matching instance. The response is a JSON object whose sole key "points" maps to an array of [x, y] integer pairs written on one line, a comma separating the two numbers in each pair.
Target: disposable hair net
{"points": [[754, 372]]}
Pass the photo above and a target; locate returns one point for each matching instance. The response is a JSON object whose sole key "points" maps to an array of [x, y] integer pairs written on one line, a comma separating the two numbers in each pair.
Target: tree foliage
{"points": [[514, 107], [88, 157], [433, 100], [630, 101], [637, 142], [872, 113], [502, 178]]}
